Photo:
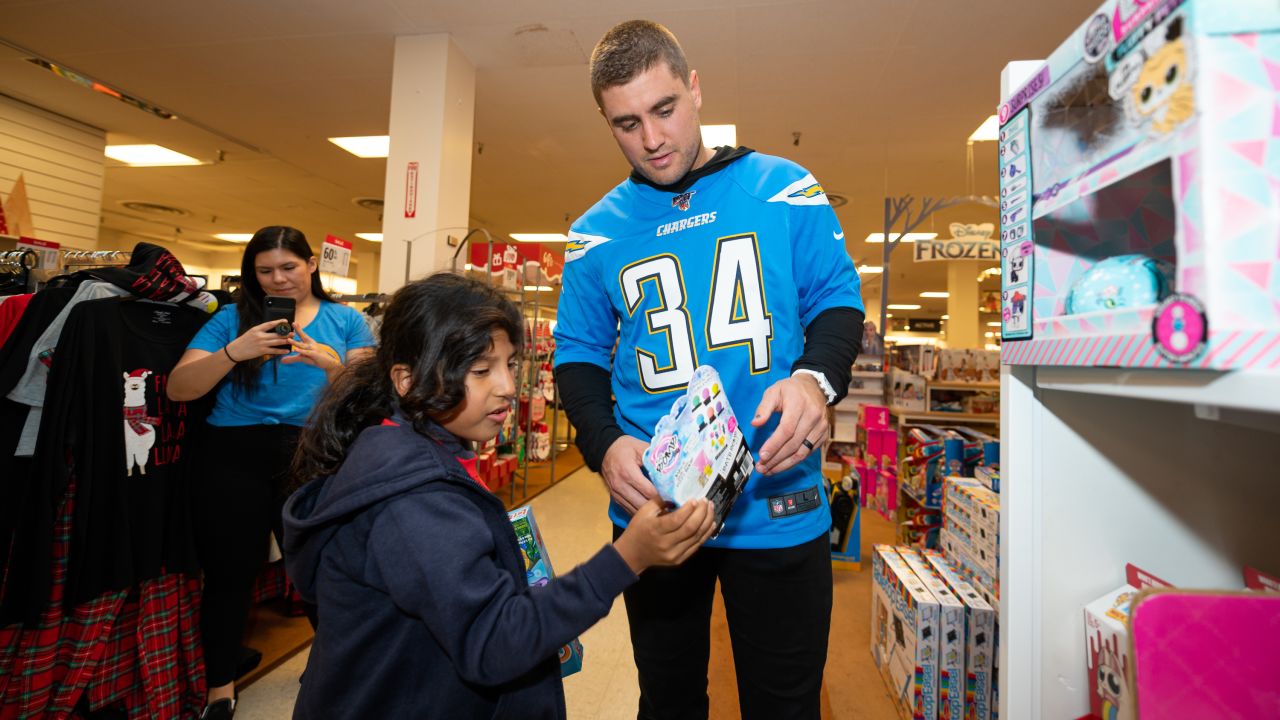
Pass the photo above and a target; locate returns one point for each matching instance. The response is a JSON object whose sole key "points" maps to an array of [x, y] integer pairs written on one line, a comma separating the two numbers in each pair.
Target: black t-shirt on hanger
{"points": [[108, 422]]}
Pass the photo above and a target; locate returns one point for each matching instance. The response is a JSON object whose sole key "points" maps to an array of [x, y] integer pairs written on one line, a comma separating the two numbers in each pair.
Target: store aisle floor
{"points": [[574, 525]]}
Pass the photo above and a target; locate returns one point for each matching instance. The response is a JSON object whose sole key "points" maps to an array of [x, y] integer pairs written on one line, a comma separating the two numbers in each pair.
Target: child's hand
{"points": [[656, 537]]}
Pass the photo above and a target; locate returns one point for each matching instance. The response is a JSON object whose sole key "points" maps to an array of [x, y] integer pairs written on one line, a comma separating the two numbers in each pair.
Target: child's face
{"points": [[491, 387]]}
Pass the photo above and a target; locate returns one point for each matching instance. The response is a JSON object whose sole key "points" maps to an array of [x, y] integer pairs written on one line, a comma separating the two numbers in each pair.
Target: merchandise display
{"points": [[951, 637], [1084, 280], [980, 639], [538, 568], [904, 633], [970, 534], [698, 451]]}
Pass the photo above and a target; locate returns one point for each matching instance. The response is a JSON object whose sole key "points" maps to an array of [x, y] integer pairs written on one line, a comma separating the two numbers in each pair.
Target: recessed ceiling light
{"points": [[946, 317], [888, 315], [933, 294], [993, 324], [368, 146], [371, 237], [903, 307], [988, 131], [538, 288], [909, 237], [870, 269], [991, 334], [717, 135], [539, 237], [148, 156], [234, 237]]}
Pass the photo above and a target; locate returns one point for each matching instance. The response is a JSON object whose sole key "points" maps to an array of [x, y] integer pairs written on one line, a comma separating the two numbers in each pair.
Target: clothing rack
{"points": [[19, 264], [95, 258]]}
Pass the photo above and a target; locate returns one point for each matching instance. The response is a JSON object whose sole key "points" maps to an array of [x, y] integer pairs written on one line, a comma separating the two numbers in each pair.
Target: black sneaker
{"points": [[219, 710]]}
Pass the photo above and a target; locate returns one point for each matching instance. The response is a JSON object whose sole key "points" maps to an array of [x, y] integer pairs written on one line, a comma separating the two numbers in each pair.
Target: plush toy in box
{"points": [[698, 449]]}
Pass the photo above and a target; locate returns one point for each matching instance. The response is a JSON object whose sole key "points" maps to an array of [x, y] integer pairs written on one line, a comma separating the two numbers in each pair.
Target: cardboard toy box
{"points": [[873, 417], [698, 449], [538, 572], [980, 639], [951, 637], [1106, 634], [904, 634], [908, 390]]}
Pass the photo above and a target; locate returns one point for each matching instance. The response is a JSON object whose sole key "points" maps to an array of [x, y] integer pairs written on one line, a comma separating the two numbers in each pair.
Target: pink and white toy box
{"points": [[1106, 632], [1139, 180]]}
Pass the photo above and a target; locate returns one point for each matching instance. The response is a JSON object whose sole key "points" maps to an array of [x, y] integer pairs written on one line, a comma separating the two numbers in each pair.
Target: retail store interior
{"points": [[404, 138]]}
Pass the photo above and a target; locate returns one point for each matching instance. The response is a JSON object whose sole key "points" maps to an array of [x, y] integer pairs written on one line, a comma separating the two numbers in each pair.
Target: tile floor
{"points": [[573, 523]]}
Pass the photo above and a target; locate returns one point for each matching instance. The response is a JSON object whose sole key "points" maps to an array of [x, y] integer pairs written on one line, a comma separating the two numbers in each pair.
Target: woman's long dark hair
{"points": [[439, 327], [250, 305]]}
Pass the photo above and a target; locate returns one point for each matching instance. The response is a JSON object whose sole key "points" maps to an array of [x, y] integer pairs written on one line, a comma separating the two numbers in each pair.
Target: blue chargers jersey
{"points": [[727, 273]]}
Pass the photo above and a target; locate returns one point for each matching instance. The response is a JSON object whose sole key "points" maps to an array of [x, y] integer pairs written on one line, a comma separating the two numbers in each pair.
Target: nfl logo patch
{"points": [[681, 201]]}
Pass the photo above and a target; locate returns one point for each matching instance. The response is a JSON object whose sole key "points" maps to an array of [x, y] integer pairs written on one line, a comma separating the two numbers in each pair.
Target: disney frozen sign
{"points": [[968, 242]]}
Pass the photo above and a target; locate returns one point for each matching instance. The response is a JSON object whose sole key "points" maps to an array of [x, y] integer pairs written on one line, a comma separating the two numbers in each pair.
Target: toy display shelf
{"points": [[1151, 131], [909, 493], [908, 417]]}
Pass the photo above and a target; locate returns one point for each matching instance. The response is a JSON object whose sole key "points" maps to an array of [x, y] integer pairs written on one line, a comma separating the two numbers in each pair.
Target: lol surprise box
{"points": [[1139, 176], [698, 450]]}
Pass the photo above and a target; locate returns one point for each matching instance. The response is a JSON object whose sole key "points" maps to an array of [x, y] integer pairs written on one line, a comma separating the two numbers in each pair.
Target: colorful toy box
{"points": [[907, 390], [873, 417], [538, 572], [1149, 135], [698, 450], [904, 634], [951, 636], [1106, 632], [980, 640]]}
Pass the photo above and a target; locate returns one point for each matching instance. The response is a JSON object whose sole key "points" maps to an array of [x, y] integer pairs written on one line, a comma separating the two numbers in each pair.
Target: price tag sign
{"points": [[47, 255], [335, 255]]}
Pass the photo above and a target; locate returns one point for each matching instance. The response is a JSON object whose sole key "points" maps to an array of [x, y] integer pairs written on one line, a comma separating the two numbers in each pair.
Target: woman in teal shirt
{"points": [[266, 385]]}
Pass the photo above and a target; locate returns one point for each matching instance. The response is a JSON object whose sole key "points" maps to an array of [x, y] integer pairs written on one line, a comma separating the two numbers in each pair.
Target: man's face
{"points": [[654, 119]]}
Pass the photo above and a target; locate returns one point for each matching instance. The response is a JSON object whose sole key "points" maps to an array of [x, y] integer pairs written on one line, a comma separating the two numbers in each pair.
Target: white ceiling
{"points": [[884, 94]]}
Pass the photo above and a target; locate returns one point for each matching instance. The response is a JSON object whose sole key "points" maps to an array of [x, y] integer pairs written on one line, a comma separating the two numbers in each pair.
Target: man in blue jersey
{"points": [[732, 259]]}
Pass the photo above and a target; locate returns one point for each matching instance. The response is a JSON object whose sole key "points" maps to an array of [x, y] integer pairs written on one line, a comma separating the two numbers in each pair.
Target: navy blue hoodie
{"points": [[424, 607]]}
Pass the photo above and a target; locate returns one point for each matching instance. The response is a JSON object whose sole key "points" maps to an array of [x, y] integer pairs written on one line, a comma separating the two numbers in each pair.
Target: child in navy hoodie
{"points": [[424, 611]]}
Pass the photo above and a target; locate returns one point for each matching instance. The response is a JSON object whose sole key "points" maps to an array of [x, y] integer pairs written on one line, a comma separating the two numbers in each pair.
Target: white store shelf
{"points": [[1094, 477], [1257, 391]]}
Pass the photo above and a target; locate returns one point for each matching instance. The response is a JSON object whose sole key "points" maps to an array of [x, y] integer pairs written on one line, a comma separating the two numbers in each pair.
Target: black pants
{"points": [[778, 606], [241, 477]]}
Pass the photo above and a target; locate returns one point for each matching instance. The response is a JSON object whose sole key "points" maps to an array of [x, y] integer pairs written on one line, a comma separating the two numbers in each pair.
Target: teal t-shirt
{"points": [[286, 395]]}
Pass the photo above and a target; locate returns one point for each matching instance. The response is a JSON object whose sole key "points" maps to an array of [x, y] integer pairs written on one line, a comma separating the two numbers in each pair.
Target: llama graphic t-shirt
{"points": [[109, 425]]}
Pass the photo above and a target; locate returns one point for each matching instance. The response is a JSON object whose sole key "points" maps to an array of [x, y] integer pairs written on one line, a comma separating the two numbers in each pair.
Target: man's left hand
{"points": [[804, 417]]}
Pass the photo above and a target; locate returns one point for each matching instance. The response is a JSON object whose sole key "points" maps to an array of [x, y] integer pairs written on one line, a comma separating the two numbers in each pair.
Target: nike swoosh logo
{"points": [[837, 235]]}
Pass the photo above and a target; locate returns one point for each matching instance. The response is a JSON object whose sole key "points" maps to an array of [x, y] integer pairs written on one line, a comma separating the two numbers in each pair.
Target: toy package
{"points": [[1106, 632], [980, 640], [951, 637], [698, 449], [904, 634], [908, 390], [538, 572]]}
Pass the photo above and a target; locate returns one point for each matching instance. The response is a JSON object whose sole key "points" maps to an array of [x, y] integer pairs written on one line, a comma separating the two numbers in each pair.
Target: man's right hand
{"points": [[623, 475]]}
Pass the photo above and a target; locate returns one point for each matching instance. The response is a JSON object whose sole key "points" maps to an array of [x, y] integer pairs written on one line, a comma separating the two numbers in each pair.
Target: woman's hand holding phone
{"points": [[259, 341]]}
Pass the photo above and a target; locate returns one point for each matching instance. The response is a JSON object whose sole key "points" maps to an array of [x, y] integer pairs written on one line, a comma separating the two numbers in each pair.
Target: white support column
{"points": [[432, 122]]}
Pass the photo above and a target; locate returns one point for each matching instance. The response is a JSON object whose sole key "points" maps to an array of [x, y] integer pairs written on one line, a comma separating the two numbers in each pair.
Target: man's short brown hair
{"points": [[631, 48]]}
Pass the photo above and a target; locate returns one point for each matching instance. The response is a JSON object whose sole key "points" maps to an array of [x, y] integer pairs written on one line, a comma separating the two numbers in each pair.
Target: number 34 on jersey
{"points": [[737, 311]]}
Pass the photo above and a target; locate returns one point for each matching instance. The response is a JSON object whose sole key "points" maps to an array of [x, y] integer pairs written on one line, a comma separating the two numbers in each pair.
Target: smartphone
{"points": [[280, 308]]}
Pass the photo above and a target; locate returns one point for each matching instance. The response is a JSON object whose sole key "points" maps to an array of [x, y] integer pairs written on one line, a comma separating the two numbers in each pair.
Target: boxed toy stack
{"points": [[538, 572], [923, 464], [970, 534], [698, 451], [980, 640], [904, 634], [951, 637], [879, 469]]}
